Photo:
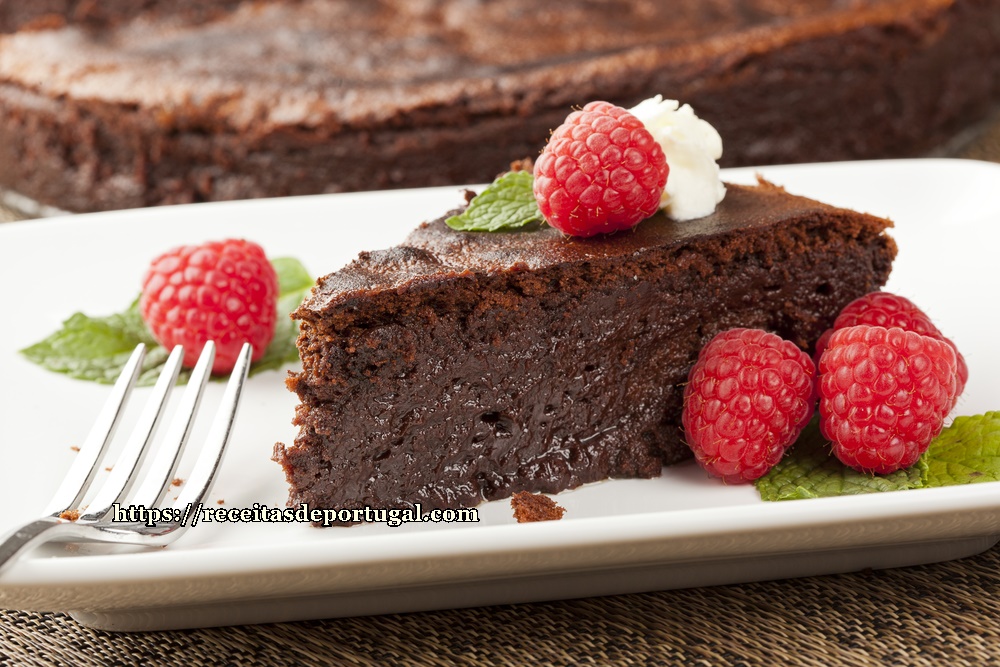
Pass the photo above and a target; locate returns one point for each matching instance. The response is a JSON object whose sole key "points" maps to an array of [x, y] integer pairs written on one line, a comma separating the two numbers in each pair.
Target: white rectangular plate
{"points": [[682, 529]]}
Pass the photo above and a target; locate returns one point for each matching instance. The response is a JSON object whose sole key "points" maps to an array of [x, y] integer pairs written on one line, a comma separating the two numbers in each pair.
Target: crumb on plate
{"points": [[535, 507]]}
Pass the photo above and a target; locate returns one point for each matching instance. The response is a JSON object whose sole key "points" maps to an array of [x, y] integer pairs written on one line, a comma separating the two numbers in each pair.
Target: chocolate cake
{"points": [[463, 366], [282, 98]]}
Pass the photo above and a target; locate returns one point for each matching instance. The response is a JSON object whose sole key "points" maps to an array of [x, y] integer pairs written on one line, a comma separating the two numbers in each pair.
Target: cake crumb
{"points": [[70, 515], [177, 481], [220, 501], [108, 468], [74, 448], [535, 507]]}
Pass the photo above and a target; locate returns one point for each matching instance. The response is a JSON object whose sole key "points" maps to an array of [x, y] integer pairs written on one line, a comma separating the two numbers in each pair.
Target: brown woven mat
{"points": [[932, 615]]}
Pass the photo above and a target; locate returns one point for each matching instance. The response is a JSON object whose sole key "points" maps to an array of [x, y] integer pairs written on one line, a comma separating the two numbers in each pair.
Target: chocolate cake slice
{"points": [[461, 366]]}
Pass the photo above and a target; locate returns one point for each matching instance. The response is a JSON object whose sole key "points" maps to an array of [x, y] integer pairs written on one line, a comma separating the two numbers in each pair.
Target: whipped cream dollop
{"points": [[692, 147]]}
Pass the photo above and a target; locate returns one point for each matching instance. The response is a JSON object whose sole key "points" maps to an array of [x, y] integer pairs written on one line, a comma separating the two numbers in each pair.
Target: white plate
{"points": [[622, 536]]}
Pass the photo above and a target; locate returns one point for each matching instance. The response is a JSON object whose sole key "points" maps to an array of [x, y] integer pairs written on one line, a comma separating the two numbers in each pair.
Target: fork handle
{"points": [[31, 535]]}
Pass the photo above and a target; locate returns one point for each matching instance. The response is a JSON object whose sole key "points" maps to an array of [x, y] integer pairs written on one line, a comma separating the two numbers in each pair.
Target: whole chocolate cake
{"points": [[135, 105], [463, 366]]}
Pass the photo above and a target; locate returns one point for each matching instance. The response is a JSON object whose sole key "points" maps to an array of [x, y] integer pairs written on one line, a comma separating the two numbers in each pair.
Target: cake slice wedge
{"points": [[460, 367]]}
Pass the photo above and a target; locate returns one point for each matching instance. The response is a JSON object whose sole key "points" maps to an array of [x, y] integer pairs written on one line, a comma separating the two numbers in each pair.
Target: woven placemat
{"points": [[931, 615]]}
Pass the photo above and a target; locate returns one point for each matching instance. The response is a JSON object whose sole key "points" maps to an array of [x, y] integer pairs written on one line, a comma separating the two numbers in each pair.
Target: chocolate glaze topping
{"points": [[433, 250]]}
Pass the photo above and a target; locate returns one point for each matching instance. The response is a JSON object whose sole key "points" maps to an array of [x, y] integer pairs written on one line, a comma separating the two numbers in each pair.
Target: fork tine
{"points": [[199, 482], [123, 475], [84, 467], [157, 479]]}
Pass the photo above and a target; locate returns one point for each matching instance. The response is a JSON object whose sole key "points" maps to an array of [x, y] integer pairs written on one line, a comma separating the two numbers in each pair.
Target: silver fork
{"points": [[64, 520]]}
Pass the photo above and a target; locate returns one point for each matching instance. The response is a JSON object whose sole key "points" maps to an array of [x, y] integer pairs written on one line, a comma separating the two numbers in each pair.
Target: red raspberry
{"points": [[884, 309], [225, 291], [748, 398], [884, 394], [601, 172]]}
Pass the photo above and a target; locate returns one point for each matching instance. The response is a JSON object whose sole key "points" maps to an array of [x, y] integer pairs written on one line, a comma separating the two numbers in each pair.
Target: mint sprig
{"points": [[966, 452], [96, 348], [508, 203]]}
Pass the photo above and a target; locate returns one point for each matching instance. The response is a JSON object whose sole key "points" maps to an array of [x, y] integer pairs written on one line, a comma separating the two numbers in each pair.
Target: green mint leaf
{"points": [[292, 276], [809, 470], [97, 348], [508, 203], [967, 452]]}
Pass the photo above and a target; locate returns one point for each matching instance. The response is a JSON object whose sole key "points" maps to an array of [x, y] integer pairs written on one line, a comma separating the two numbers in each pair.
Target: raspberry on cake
{"points": [[601, 172]]}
